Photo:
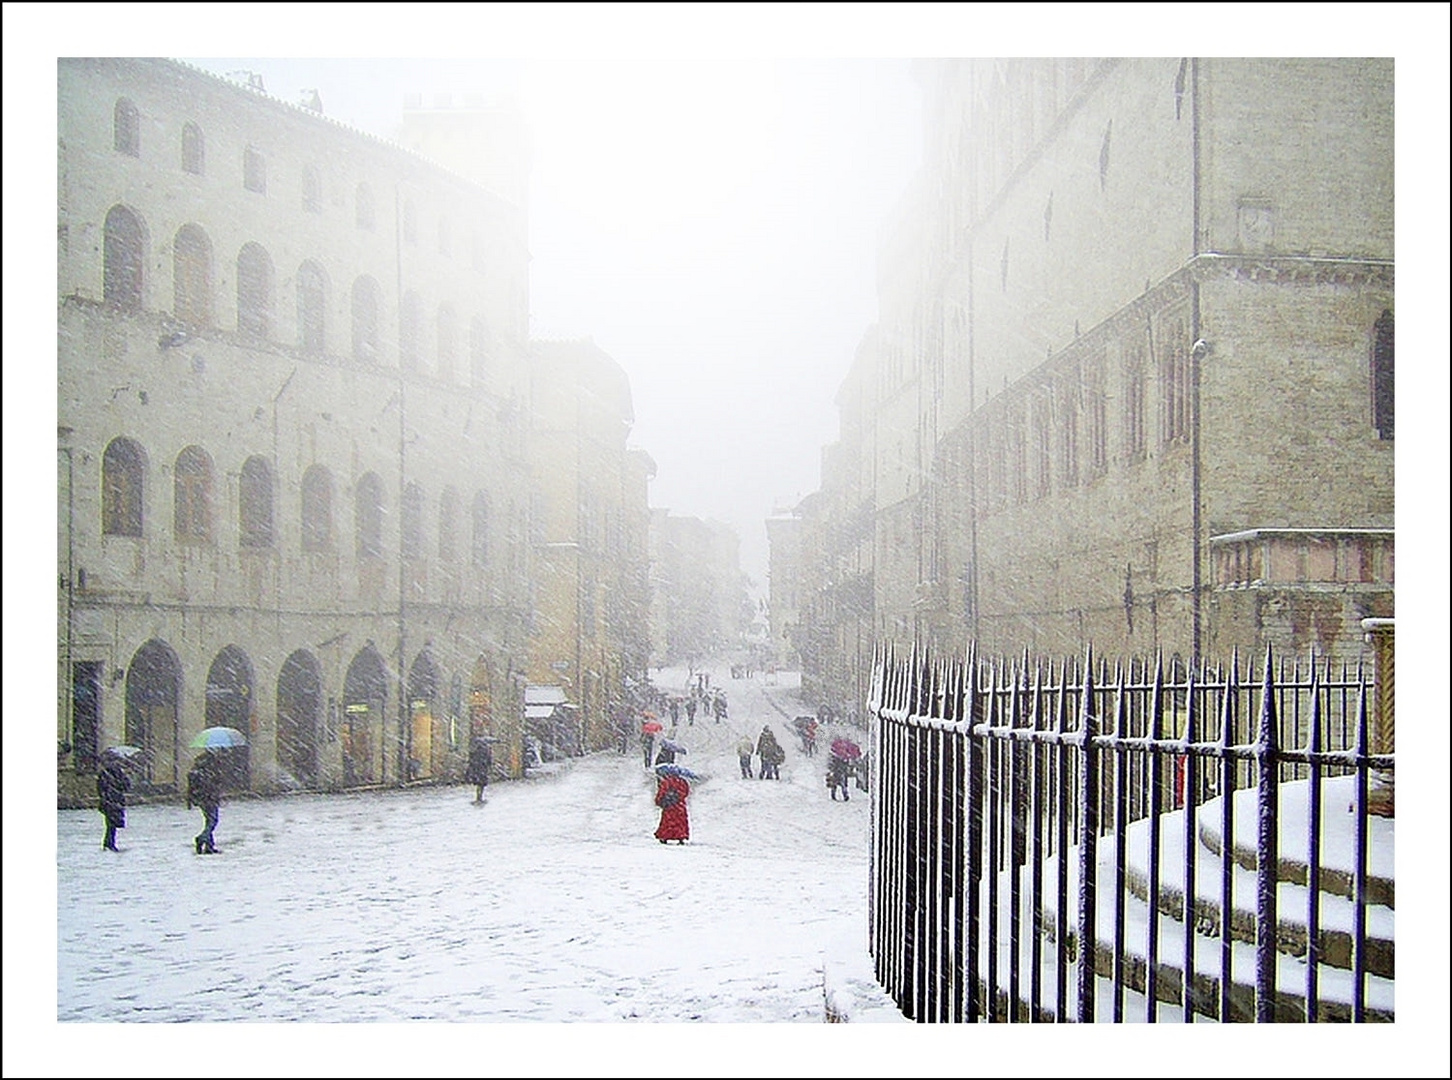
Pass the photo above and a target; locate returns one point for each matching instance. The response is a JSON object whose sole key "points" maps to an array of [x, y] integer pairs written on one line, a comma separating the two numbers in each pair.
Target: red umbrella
{"points": [[846, 749], [650, 727]]}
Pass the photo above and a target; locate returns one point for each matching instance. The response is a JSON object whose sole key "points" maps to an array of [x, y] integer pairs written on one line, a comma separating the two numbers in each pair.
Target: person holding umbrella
{"points": [[840, 766], [111, 787], [670, 796], [204, 789], [649, 729]]}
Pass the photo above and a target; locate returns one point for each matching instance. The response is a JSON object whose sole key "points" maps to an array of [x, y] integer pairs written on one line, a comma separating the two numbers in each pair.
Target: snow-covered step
{"points": [[1334, 989], [1335, 913], [1338, 838]]}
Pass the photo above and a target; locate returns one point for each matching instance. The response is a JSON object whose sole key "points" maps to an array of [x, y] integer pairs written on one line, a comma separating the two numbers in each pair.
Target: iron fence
{"points": [[1068, 841]]}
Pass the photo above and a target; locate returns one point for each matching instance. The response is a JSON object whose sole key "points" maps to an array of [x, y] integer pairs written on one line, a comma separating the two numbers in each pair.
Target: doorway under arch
{"points": [[365, 703], [153, 695], [423, 703], [299, 705], [229, 704]]}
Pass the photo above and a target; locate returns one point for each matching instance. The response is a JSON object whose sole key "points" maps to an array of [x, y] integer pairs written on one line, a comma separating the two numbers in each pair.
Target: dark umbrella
{"points": [[672, 746], [130, 756], [676, 770]]}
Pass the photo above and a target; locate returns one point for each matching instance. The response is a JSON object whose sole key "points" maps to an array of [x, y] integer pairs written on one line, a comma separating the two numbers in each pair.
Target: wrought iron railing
{"points": [[1038, 827]]}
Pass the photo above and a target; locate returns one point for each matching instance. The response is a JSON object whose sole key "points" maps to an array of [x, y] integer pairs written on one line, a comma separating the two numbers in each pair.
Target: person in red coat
{"points": [[671, 796]]}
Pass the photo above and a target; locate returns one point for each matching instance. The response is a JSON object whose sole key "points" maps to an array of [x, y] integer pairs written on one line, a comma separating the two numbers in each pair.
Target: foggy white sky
{"points": [[711, 224]]}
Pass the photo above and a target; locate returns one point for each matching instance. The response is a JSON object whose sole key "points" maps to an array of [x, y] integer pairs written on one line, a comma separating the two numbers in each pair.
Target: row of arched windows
{"points": [[126, 123], [123, 283], [123, 480]]}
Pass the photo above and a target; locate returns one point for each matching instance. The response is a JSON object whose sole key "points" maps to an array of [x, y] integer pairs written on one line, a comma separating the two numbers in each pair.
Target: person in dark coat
{"points": [[204, 789], [839, 769], [481, 761], [111, 786], [771, 753], [671, 796]]}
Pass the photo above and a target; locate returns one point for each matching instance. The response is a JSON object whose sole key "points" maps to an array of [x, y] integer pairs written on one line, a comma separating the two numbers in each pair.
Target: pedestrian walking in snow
{"points": [[670, 796], [675, 711], [691, 710], [481, 761], [718, 706], [111, 787], [204, 790], [771, 753], [744, 749], [838, 770]]}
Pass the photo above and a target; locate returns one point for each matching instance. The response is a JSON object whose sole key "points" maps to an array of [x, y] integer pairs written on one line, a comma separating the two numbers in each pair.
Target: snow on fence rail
{"points": [[1023, 810]]}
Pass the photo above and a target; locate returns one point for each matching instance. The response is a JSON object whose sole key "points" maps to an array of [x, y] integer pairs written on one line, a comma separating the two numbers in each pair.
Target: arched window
{"points": [[410, 320], [123, 476], [365, 320], [1383, 375], [254, 170], [312, 307], [368, 516], [192, 276], [254, 291], [364, 207], [411, 515], [193, 488], [124, 257], [255, 504], [312, 190], [446, 243], [194, 150], [317, 509], [410, 223], [127, 124], [448, 333], [481, 530], [449, 526], [478, 350]]}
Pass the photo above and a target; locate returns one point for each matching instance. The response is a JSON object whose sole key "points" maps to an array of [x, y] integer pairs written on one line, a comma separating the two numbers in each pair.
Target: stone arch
{"points": [[481, 700], [365, 704], [423, 706], [153, 699], [230, 704], [299, 710]]}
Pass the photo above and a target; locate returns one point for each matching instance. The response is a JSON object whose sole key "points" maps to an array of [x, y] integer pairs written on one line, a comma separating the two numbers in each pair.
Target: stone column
{"points": [[1381, 634]]}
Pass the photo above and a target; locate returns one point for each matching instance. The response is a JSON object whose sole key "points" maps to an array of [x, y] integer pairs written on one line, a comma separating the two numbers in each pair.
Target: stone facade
{"points": [[1130, 307], [589, 547], [294, 447]]}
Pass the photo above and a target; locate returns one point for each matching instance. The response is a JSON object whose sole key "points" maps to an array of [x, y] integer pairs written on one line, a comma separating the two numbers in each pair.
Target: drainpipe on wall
{"points": [[1197, 356]]}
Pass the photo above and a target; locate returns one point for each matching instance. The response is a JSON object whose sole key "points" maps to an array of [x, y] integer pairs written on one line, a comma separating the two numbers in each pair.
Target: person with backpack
{"points": [[771, 753]]}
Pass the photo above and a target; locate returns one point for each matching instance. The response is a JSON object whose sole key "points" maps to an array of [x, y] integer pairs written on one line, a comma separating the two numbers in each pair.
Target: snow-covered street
{"points": [[552, 902]]}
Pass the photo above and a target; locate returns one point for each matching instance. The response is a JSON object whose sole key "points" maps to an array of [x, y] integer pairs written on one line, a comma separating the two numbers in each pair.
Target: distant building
{"points": [[589, 544], [783, 534], [1133, 380], [700, 606]]}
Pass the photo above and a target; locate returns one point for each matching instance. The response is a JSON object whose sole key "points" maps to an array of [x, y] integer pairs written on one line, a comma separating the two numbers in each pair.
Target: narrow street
{"points": [[552, 902]]}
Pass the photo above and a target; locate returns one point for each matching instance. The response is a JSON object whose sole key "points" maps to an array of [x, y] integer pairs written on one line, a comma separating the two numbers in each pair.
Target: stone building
{"points": [[293, 406], [1134, 373], [590, 542], [784, 570], [700, 608]]}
